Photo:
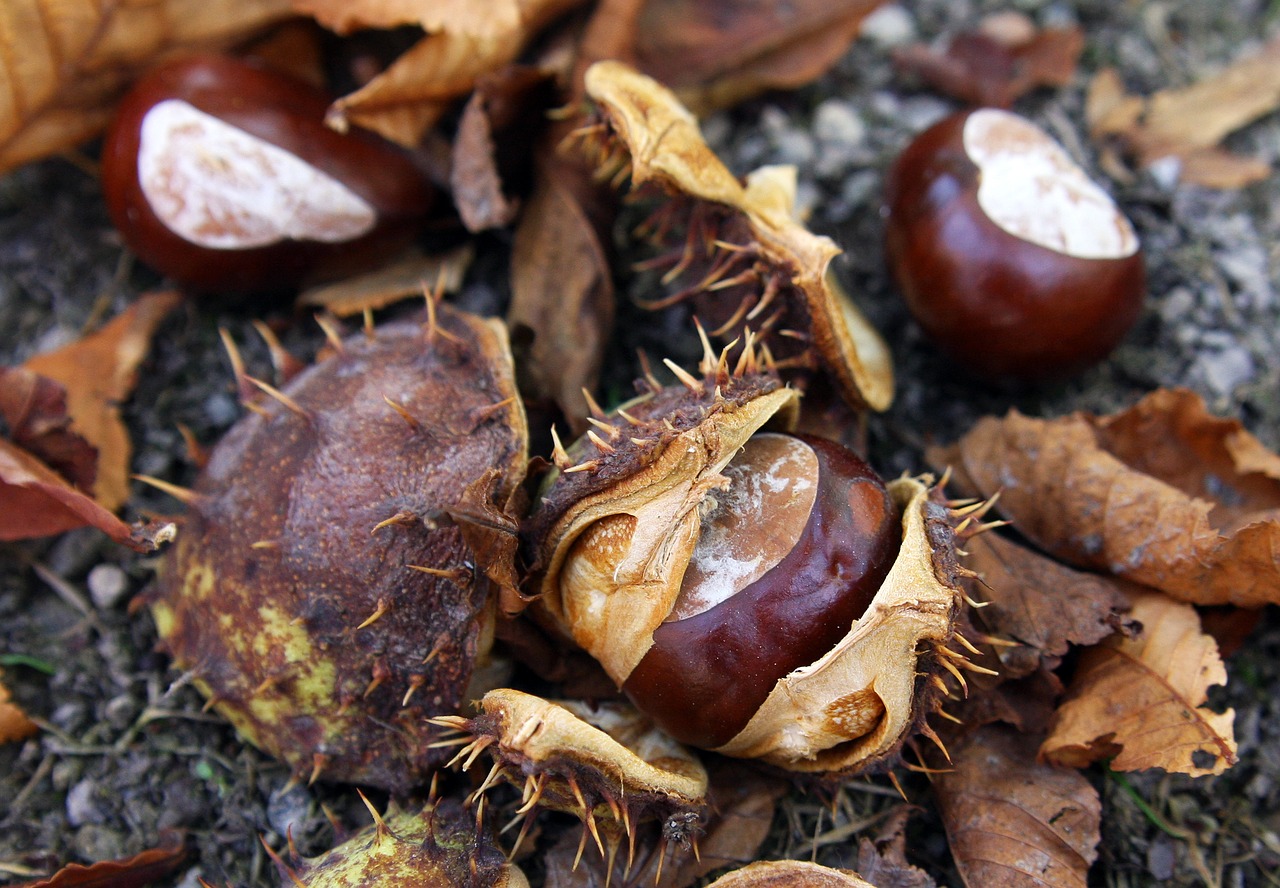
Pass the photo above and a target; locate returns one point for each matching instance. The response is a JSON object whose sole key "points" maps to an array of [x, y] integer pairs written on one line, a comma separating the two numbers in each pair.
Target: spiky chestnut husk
{"points": [[606, 764], [614, 547], [333, 582], [437, 847], [736, 250]]}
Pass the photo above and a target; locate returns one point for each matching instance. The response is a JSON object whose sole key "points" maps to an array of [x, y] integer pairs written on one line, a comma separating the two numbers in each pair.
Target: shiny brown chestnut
{"points": [[790, 554], [1013, 262], [222, 175]]}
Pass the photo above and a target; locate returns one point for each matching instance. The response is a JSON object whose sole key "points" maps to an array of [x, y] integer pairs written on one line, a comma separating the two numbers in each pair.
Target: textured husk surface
{"points": [[278, 564]]}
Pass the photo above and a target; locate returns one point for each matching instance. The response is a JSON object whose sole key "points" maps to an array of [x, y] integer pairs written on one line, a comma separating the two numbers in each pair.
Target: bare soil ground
{"points": [[125, 749]]}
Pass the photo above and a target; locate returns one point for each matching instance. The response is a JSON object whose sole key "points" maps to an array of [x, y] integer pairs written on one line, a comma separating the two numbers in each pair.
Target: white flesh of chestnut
{"points": [[222, 188], [1032, 189]]}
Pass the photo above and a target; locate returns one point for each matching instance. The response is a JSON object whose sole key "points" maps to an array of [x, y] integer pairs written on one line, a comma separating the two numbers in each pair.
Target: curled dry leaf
{"points": [[1012, 821], [14, 724], [143, 868], [713, 54], [1163, 494], [98, 373], [34, 409], [1043, 605], [410, 276], [65, 65], [736, 250], [491, 146], [1141, 700], [463, 41], [883, 862], [1188, 125], [36, 501], [561, 283], [1005, 58]]}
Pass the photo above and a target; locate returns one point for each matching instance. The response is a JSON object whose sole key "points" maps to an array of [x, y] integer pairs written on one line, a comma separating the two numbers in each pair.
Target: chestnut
{"points": [[223, 175], [760, 595], [1013, 262], [789, 556]]}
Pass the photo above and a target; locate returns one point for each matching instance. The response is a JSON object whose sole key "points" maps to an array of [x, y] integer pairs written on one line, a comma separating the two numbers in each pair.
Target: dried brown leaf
{"points": [[36, 501], [143, 868], [1163, 494], [1188, 124], [883, 862], [35, 410], [98, 373], [713, 54], [14, 724], [66, 63], [1142, 699], [996, 66], [561, 283], [1043, 605], [491, 146], [406, 277], [463, 42], [491, 19], [1012, 821]]}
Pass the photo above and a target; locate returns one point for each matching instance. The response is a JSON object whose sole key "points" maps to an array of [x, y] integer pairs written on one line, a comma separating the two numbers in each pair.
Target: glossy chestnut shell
{"points": [[999, 303], [708, 673], [213, 138]]}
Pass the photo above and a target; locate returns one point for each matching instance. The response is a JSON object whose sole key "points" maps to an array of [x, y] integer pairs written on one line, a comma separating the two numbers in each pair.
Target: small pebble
{"points": [[120, 711], [288, 809], [82, 804], [1226, 369], [888, 26], [1161, 859], [108, 585], [221, 410], [70, 717]]}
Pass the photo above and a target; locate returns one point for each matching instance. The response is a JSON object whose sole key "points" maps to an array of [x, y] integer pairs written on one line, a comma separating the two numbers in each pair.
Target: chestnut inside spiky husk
{"points": [[828, 654], [437, 847], [333, 583]]}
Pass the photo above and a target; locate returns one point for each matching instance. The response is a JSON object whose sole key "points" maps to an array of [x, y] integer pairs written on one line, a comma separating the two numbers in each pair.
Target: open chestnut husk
{"points": [[224, 176], [821, 657], [336, 578]]}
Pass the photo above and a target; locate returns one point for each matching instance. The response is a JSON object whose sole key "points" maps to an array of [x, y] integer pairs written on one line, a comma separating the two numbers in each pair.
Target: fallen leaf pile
{"points": [[1163, 506], [1163, 494]]}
